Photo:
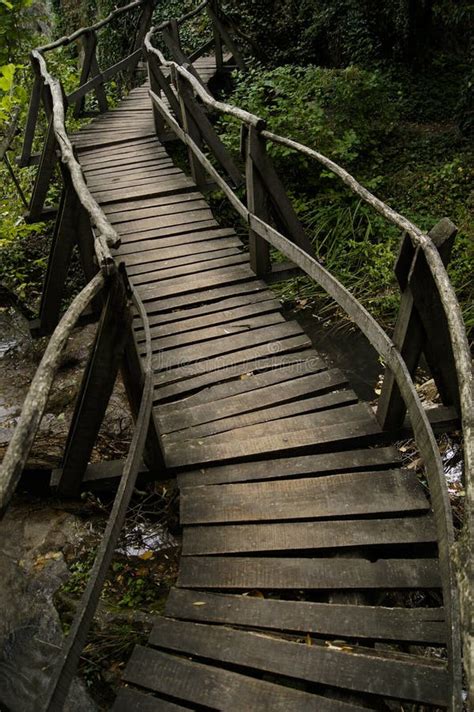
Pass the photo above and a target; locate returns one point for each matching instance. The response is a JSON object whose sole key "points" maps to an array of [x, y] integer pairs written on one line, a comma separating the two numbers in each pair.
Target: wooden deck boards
{"points": [[290, 494]]}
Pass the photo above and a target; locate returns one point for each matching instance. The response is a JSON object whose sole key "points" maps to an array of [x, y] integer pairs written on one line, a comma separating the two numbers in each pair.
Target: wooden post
{"points": [[90, 67], [32, 118], [257, 203], [133, 378], [43, 175], [144, 24], [218, 51], [97, 385], [283, 209], [208, 133], [226, 38], [192, 129], [420, 327], [64, 238]]}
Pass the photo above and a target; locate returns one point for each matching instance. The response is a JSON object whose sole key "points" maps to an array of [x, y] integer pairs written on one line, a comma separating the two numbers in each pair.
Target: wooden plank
{"points": [[204, 251], [253, 375], [325, 463], [225, 316], [359, 669], [199, 267], [129, 699], [265, 415], [189, 379], [199, 338], [219, 346], [110, 185], [267, 396], [345, 414], [210, 257], [111, 181], [205, 297], [132, 167], [158, 211], [275, 573], [351, 621], [138, 224], [329, 437], [117, 210], [170, 186], [180, 238], [172, 320], [240, 538], [218, 688], [341, 495], [200, 282]]}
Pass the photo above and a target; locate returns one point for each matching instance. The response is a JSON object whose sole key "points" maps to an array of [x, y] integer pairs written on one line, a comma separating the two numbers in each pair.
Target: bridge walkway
{"points": [[305, 540]]}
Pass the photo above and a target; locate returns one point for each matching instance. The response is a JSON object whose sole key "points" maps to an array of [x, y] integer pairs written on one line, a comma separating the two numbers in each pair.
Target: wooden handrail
{"points": [[67, 39], [106, 236]]}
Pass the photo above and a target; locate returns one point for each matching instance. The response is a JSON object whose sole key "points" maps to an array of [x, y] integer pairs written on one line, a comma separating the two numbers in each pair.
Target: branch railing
{"points": [[267, 205]]}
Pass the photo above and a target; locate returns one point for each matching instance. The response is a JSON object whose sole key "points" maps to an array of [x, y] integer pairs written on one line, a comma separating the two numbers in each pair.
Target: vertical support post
{"points": [[64, 238], [417, 331], [218, 50], [32, 119], [174, 30], [44, 174], [144, 24], [192, 129], [212, 11], [97, 385], [257, 204], [90, 67], [282, 208], [153, 69], [133, 378]]}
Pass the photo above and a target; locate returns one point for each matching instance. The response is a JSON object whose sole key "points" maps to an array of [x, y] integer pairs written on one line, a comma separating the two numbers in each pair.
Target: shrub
{"points": [[341, 113]]}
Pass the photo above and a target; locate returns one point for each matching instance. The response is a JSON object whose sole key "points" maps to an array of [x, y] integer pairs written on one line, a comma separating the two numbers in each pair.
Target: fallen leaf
{"points": [[146, 555], [308, 639], [199, 603]]}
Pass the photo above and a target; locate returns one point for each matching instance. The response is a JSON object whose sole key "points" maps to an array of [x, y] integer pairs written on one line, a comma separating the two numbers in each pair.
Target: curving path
{"points": [[306, 543]]}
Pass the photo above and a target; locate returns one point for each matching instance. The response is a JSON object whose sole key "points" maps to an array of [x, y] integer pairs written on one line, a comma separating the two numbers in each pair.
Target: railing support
{"points": [[32, 119], [420, 327], [90, 66], [44, 174], [190, 126], [64, 238], [257, 203], [221, 30], [97, 386]]}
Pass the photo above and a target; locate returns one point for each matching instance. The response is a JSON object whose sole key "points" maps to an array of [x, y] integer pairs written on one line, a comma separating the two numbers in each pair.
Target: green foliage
{"points": [[338, 112]]}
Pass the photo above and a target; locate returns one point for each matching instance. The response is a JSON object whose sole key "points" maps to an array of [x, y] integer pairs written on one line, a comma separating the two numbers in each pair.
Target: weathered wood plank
{"points": [[345, 414], [328, 437], [170, 186], [359, 669], [240, 538], [325, 463], [265, 397], [180, 239], [352, 621], [199, 267], [275, 573], [181, 356], [129, 699], [188, 379], [265, 415], [341, 495], [217, 688], [204, 251]]}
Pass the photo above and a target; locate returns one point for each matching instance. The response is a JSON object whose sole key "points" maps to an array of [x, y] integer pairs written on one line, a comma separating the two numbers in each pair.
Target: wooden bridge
{"points": [[305, 540]]}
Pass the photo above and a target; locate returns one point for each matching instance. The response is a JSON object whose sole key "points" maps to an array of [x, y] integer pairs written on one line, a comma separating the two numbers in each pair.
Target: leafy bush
{"points": [[341, 113]]}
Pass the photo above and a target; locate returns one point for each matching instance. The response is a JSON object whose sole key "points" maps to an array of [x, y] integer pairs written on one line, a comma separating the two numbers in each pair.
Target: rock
{"points": [[33, 568]]}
